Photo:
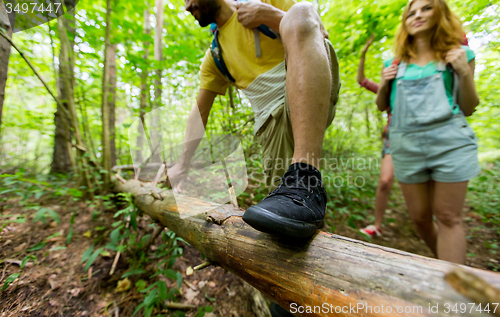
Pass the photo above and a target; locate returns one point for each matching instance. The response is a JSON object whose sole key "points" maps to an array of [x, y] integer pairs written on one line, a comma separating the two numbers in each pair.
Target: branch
{"points": [[59, 103]]}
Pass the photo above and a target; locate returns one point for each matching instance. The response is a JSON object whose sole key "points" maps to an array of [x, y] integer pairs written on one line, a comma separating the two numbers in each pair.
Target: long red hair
{"points": [[446, 34]]}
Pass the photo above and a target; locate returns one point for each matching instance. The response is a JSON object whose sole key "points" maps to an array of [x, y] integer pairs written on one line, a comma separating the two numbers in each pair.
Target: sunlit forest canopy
{"points": [[27, 129], [28, 112]]}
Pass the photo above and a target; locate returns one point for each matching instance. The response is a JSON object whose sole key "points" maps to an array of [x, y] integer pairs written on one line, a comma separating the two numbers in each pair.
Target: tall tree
{"points": [[111, 56], [4, 53], [105, 109], [155, 125], [144, 84], [62, 157], [66, 82]]}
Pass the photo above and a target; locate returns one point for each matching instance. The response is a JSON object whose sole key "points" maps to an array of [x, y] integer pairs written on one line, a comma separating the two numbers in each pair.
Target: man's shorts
{"points": [[276, 136]]}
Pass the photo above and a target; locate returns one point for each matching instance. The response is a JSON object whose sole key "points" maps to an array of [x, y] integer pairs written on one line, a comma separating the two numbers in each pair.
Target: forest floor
{"points": [[57, 284]]}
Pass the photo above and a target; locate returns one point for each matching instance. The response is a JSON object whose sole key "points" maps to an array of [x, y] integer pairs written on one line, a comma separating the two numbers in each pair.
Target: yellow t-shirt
{"points": [[238, 51]]}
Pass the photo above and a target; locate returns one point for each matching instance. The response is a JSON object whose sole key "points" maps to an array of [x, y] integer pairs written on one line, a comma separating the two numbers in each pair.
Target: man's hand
{"points": [[250, 13], [176, 175], [457, 57]]}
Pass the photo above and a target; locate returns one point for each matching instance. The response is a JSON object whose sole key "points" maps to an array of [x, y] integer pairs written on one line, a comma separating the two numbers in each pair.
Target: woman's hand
{"points": [[368, 43], [457, 58], [388, 74]]}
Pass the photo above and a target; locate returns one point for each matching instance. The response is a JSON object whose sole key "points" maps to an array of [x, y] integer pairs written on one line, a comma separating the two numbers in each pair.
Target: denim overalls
{"points": [[428, 141]]}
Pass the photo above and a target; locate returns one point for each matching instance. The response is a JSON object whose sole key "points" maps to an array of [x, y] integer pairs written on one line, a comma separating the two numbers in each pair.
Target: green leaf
{"points": [[141, 305], [58, 248], [92, 258], [115, 235], [75, 193], [148, 311], [140, 285], [57, 234], [170, 274], [26, 259], [10, 280], [42, 214], [69, 236], [39, 194], [150, 298], [87, 253], [133, 272], [209, 309], [179, 280], [162, 290], [38, 246], [133, 220]]}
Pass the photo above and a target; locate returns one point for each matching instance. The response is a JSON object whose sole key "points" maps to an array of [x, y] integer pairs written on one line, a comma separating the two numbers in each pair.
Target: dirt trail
{"points": [[58, 285]]}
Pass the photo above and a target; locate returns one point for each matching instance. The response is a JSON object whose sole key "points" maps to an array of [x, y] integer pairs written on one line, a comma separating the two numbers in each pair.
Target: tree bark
{"points": [[112, 102], [155, 124], [4, 56], [326, 270], [144, 86], [63, 160], [106, 133], [66, 66]]}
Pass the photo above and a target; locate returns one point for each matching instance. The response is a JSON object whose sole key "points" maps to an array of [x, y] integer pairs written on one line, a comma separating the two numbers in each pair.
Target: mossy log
{"points": [[325, 276]]}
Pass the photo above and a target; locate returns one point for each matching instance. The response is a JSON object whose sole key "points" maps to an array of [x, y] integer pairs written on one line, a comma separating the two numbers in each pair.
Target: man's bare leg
{"points": [[308, 80], [297, 207]]}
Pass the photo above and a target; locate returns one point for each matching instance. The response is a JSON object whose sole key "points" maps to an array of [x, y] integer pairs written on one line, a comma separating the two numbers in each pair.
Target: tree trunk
{"points": [[112, 102], [66, 65], [155, 124], [144, 86], [62, 158], [335, 274], [4, 56], [106, 133]]}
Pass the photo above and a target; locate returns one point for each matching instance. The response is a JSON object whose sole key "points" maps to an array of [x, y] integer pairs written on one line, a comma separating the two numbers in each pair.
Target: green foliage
{"points": [[43, 213], [5, 223], [484, 194], [11, 278], [124, 237]]}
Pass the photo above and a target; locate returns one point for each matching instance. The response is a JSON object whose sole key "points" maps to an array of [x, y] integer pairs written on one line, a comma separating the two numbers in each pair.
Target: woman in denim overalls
{"points": [[433, 148]]}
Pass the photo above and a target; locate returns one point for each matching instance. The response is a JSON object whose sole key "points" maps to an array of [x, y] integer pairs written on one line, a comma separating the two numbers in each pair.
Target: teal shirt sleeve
{"points": [[470, 53], [388, 62]]}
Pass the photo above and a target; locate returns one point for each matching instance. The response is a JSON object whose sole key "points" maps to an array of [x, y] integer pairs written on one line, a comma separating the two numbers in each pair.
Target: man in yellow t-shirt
{"points": [[292, 87]]}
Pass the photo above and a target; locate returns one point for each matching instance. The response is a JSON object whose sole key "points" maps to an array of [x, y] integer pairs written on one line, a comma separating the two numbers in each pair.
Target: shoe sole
{"points": [[268, 222], [375, 234]]}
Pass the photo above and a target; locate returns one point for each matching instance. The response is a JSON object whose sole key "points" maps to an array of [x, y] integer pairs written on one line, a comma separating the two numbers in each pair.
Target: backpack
{"points": [[216, 50]]}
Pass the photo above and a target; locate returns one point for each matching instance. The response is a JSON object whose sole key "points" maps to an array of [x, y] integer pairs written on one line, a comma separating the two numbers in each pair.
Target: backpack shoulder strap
{"points": [[394, 62], [216, 52]]}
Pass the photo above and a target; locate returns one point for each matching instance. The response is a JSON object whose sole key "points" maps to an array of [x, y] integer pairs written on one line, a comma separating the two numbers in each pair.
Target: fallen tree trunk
{"points": [[326, 275]]}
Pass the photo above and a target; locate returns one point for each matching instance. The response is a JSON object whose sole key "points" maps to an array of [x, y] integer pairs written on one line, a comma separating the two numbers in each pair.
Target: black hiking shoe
{"points": [[296, 208], [277, 311]]}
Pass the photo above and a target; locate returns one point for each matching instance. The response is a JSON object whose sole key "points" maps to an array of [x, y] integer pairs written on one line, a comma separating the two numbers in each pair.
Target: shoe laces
{"points": [[290, 186]]}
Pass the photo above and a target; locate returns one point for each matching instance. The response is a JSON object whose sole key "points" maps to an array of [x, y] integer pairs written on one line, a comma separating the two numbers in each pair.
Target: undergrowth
{"points": [[148, 267]]}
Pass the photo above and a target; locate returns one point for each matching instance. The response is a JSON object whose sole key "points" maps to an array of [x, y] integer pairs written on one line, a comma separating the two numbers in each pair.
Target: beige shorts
{"points": [[276, 136]]}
